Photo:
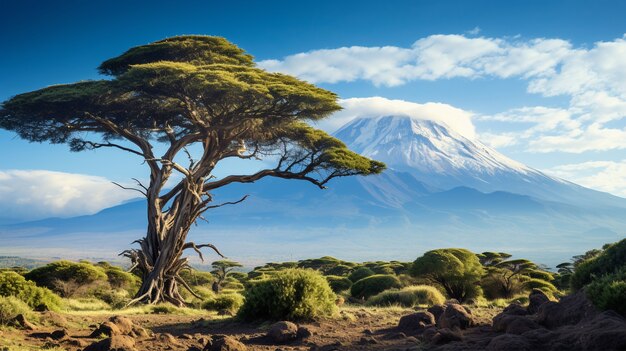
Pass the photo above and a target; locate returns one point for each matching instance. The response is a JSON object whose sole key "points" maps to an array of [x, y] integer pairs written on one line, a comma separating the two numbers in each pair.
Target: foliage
{"points": [[194, 277], [10, 307], [120, 279], [410, 296], [610, 260], [540, 284], [457, 271], [360, 273], [67, 278], [292, 294], [609, 292], [338, 284], [228, 302], [221, 270], [181, 92], [13, 284], [505, 278], [374, 284]]}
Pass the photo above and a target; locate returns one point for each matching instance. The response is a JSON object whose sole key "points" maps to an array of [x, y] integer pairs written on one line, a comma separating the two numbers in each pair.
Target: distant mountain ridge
{"points": [[441, 190]]}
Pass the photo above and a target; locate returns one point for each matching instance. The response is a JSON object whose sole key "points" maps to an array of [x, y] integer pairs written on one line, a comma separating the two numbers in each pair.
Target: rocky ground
{"points": [[571, 324]]}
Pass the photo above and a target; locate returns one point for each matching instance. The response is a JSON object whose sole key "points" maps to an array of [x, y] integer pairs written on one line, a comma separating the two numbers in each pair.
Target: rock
{"points": [[513, 323], [437, 311], [139, 332], [53, 318], [304, 332], [282, 332], [429, 333], [113, 343], [167, 339], [606, 331], [445, 335], [77, 342], [107, 328], [124, 324], [452, 302], [535, 300], [60, 334], [515, 309], [455, 316], [331, 347], [225, 343], [570, 310], [509, 342], [416, 321], [395, 336], [368, 340], [21, 322]]}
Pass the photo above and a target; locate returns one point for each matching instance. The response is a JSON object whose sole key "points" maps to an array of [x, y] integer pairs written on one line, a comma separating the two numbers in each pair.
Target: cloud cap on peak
{"points": [[457, 119]]}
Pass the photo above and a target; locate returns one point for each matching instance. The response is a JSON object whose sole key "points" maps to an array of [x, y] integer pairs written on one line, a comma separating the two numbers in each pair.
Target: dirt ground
{"points": [[355, 328]]}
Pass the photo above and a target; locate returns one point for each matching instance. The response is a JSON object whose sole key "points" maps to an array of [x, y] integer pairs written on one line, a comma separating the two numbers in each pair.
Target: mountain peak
{"points": [[441, 157]]}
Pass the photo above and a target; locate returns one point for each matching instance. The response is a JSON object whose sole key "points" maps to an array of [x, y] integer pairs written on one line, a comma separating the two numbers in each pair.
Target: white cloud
{"points": [[35, 194], [609, 176], [593, 78], [455, 118]]}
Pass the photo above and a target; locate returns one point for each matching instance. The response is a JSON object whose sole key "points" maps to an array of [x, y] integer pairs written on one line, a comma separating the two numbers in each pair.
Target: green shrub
{"points": [[609, 292], [292, 294], [10, 307], [612, 259], [164, 308], [411, 296], [229, 302], [540, 284], [68, 278], [120, 279], [338, 284], [456, 271], [116, 298], [13, 284], [360, 273], [374, 284]]}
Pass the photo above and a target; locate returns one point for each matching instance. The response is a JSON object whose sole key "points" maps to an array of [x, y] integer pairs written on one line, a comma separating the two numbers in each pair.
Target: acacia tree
{"points": [[221, 270], [183, 91]]}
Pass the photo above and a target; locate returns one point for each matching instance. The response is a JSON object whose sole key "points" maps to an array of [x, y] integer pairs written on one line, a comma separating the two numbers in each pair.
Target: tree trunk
{"points": [[159, 258]]}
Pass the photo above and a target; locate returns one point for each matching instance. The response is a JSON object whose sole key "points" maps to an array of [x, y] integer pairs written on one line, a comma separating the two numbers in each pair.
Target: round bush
{"points": [[10, 307], [292, 294], [229, 302], [13, 284], [411, 296], [609, 292], [338, 284], [373, 285], [360, 273], [82, 272]]}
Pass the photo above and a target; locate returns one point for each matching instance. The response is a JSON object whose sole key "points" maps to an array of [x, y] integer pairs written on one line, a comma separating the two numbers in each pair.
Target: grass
{"points": [[86, 304]]}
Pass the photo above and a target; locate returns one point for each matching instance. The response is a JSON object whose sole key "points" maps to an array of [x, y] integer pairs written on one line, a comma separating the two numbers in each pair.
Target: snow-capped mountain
{"points": [[440, 157]]}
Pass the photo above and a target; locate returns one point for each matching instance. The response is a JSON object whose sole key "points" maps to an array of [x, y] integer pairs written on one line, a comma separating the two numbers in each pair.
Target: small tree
{"points": [[457, 271], [509, 276], [221, 270], [181, 92]]}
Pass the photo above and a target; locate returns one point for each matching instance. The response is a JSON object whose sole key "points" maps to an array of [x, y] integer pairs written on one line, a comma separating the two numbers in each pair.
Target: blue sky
{"points": [[562, 113]]}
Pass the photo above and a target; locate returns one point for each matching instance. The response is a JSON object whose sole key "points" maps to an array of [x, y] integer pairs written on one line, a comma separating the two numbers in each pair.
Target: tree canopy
{"points": [[183, 91], [457, 271]]}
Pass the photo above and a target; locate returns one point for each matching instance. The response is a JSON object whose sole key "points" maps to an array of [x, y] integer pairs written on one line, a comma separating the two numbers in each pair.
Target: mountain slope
{"points": [[438, 156]]}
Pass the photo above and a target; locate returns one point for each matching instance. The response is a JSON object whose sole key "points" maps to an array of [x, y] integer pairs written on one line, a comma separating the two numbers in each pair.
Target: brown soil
{"points": [[354, 329]]}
